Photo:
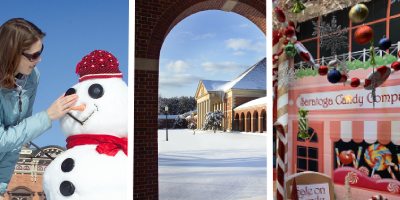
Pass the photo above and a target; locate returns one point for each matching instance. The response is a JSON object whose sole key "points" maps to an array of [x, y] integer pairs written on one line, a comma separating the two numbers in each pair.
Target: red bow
{"points": [[106, 144]]}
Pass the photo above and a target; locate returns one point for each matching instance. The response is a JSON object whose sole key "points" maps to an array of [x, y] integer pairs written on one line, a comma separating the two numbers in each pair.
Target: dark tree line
{"points": [[176, 105]]}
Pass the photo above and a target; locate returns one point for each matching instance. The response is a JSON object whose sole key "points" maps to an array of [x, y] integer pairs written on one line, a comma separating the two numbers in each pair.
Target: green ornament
{"points": [[372, 54], [303, 124], [290, 50], [298, 7]]}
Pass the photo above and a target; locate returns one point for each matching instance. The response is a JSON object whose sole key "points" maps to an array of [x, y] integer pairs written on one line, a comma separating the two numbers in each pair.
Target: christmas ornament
{"points": [[280, 15], [395, 65], [289, 31], [332, 36], [290, 50], [322, 70], [334, 76], [358, 13], [355, 82], [276, 36], [298, 6], [385, 43], [303, 124], [343, 78], [379, 76], [363, 34]]}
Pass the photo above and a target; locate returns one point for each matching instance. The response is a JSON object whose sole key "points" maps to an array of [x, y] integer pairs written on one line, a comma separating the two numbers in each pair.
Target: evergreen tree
{"points": [[213, 120]]}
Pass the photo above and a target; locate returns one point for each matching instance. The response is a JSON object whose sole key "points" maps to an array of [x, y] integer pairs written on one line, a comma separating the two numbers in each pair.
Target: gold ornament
{"points": [[358, 13]]}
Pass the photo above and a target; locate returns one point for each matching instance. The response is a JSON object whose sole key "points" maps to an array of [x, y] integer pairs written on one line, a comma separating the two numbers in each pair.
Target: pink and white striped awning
{"points": [[371, 131]]}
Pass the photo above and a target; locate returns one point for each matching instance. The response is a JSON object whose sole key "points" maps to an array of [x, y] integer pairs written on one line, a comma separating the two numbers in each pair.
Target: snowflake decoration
{"points": [[333, 36], [286, 75]]}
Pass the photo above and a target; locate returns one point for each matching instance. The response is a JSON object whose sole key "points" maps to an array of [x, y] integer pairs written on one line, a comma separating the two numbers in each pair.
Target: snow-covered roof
{"points": [[253, 78], [211, 85], [255, 102]]}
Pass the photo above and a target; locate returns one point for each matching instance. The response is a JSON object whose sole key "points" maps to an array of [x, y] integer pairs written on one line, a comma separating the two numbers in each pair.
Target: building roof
{"points": [[253, 78], [211, 85], [256, 102]]}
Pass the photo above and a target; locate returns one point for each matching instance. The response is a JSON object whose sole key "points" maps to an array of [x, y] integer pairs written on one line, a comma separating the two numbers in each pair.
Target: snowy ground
{"points": [[208, 166]]}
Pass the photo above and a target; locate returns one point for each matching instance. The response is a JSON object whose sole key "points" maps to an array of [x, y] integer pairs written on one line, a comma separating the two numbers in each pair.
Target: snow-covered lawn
{"points": [[208, 166]]}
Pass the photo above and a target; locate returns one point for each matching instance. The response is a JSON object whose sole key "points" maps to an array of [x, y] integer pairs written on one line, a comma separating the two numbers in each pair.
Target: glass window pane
{"points": [[302, 163], [313, 165], [312, 152], [301, 151]]}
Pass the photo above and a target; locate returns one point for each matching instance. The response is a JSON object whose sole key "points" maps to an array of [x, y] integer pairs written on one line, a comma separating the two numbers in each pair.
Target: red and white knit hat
{"points": [[98, 64]]}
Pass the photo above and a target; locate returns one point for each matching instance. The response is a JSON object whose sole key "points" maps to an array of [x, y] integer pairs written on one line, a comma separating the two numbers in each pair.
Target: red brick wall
{"points": [[153, 21], [241, 100], [145, 135], [25, 180], [155, 18]]}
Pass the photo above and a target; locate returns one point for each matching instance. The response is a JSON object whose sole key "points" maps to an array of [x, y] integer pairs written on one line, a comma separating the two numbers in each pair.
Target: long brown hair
{"points": [[16, 36]]}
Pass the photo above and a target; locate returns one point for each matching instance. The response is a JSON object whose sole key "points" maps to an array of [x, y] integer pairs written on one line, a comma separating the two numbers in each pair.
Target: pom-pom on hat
{"points": [[98, 64]]}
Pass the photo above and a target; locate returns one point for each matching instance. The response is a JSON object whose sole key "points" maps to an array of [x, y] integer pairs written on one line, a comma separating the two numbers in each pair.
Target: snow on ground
{"points": [[208, 166]]}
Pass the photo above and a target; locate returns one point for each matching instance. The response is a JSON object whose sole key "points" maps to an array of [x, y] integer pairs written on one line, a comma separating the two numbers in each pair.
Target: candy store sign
{"points": [[386, 97], [313, 192]]}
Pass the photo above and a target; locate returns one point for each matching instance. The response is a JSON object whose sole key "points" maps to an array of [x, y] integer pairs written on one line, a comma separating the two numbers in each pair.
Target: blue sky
{"points": [[74, 28], [212, 45]]}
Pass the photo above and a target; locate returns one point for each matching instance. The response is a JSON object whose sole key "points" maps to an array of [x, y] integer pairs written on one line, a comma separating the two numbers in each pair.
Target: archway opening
{"points": [[152, 27]]}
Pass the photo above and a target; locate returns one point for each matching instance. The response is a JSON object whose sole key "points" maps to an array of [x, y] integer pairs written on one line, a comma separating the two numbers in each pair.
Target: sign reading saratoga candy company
{"points": [[386, 97]]}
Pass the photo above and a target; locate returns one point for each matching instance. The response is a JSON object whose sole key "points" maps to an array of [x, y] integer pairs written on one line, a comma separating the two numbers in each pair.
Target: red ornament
{"points": [[305, 56], [363, 34], [346, 157], [343, 79], [280, 15], [276, 36], [289, 31], [355, 82], [396, 66], [292, 24], [323, 70]]}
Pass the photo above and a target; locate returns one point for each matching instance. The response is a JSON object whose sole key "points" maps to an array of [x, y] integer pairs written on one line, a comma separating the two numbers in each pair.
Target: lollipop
{"points": [[378, 157]]}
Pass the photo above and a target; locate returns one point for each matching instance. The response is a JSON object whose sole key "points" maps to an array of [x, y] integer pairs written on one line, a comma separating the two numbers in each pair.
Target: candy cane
{"points": [[337, 156], [398, 157], [358, 156]]}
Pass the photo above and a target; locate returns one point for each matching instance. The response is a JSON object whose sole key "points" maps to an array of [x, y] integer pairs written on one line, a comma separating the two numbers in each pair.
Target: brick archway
{"points": [[255, 118], [153, 21]]}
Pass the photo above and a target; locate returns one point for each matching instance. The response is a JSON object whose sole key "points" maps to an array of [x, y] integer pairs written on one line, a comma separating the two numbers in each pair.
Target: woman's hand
{"points": [[61, 106]]}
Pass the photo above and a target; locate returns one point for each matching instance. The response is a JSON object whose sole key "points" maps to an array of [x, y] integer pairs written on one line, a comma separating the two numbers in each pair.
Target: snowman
{"points": [[95, 164]]}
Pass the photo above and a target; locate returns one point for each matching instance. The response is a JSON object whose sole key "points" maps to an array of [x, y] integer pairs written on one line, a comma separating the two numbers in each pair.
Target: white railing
{"points": [[362, 56]]}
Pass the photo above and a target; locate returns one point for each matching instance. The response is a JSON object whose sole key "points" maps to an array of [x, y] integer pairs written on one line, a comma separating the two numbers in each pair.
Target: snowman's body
{"points": [[81, 172], [95, 176]]}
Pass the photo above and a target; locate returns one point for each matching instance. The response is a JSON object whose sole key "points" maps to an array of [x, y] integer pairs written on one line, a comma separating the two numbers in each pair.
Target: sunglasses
{"points": [[34, 56]]}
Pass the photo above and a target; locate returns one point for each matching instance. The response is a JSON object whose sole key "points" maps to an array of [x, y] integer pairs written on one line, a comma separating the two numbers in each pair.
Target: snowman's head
{"points": [[102, 98]]}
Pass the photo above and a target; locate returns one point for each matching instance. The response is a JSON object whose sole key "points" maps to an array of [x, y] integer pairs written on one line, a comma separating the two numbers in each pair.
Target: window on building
{"points": [[21, 193], [307, 153]]}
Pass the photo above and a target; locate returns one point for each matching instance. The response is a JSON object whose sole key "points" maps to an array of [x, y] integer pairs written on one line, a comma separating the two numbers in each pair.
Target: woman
{"points": [[20, 50]]}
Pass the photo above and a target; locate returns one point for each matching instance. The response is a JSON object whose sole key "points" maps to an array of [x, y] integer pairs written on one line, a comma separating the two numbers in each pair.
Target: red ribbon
{"points": [[106, 144]]}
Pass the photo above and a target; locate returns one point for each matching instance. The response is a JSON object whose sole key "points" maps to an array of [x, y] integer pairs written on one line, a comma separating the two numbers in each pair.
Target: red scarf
{"points": [[106, 144]]}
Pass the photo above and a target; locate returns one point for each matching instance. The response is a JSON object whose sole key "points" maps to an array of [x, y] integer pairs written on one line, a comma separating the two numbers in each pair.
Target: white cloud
{"points": [[178, 66], [178, 80], [241, 44], [221, 67]]}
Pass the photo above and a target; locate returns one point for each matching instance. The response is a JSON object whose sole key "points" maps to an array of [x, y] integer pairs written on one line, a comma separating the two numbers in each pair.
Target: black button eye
{"points": [[70, 91], [67, 188], [67, 165], [96, 91]]}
